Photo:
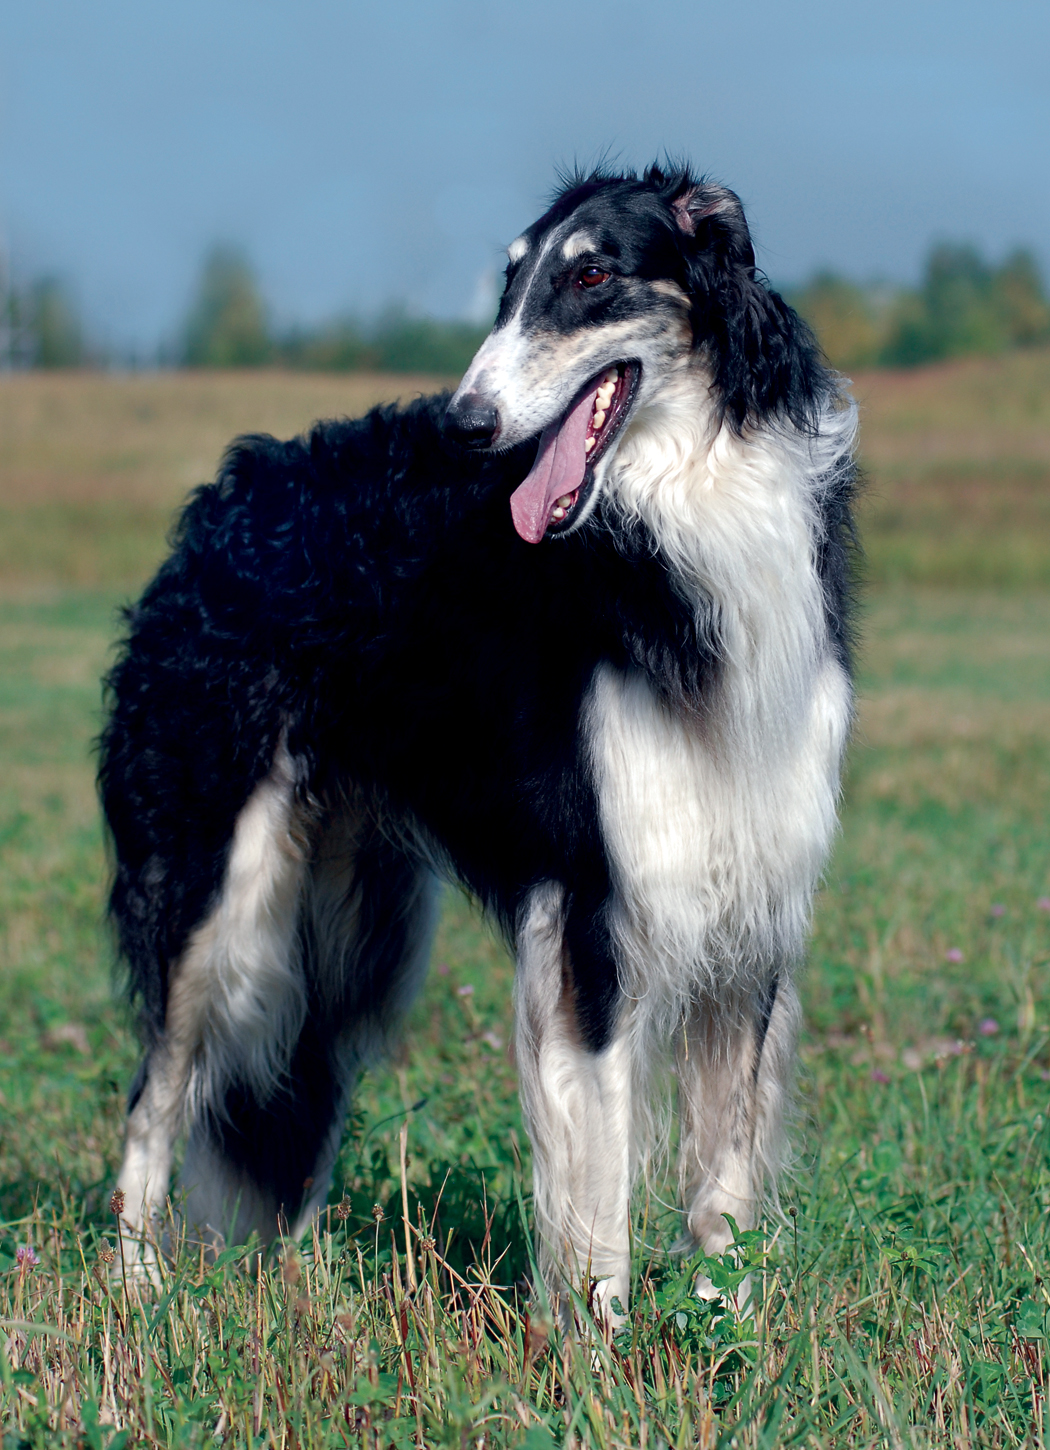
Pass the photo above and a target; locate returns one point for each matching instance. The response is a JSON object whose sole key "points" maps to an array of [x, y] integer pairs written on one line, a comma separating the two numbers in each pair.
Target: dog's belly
{"points": [[715, 840]]}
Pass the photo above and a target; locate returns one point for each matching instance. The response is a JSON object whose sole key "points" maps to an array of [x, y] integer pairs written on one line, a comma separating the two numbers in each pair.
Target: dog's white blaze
{"points": [[517, 249], [531, 375]]}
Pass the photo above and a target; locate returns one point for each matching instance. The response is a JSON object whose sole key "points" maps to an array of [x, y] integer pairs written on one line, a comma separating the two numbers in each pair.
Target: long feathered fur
{"points": [[353, 674]]}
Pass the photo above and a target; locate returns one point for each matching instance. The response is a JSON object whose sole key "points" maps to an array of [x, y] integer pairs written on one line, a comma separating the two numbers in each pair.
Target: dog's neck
{"points": [[737, 519]]}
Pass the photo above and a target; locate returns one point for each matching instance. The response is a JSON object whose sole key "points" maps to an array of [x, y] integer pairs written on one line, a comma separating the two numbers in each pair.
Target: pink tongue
{"points": [[559, 468]]}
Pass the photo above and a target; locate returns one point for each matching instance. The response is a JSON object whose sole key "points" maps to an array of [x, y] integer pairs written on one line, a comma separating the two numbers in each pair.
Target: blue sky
{"points": [[367, 152]]}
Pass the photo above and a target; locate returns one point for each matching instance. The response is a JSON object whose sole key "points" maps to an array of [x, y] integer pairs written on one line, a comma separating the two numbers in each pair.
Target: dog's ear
{"points": [[764, 357], [713, 217]]}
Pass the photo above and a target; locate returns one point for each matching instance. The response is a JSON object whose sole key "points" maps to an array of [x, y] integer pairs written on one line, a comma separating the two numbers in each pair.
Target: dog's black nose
{"points": [[472, 421]]}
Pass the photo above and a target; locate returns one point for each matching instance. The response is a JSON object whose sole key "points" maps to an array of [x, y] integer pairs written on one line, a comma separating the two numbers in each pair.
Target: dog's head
{"points": [[621, 283]]}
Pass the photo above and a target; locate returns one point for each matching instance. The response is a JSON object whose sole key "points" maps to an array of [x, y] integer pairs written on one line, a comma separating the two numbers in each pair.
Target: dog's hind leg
{"points": [[734, 1064], [577, 1100], [261, 1158], [235, 997]]}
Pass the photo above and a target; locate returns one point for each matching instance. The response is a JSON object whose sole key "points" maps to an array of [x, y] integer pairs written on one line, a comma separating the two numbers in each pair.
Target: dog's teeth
{"points": [[589, 444], [599, 418], [564, 501], [557, 514], [612, 376]]}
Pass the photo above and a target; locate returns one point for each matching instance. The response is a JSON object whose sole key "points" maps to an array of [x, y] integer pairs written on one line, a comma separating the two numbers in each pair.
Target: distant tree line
{"points": [[963, 306], [39, 325], [227, 326]]}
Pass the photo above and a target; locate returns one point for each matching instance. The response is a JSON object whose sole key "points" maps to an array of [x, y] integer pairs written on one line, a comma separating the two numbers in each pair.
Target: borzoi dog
{"points": [[576, 638]]}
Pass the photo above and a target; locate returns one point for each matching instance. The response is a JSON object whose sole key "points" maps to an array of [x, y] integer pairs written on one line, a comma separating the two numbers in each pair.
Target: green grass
{"points": [[903, 1297]]}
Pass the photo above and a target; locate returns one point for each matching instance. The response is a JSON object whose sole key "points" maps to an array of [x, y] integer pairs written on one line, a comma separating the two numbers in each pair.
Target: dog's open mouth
{"points": [[562, 477]]}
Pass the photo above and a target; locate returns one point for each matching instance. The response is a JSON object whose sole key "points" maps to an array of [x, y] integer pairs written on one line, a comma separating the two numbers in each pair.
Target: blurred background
{"points": [[232, 215], [247, 181], [221, 216]]}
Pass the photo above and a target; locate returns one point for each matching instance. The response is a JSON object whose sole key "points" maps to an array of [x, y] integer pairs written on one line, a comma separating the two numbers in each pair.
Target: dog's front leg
{"points": [[734, 1064], [577, 1105]]}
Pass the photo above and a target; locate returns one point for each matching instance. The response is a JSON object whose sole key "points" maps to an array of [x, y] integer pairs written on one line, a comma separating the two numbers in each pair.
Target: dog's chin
{"points": [[570, 451]]}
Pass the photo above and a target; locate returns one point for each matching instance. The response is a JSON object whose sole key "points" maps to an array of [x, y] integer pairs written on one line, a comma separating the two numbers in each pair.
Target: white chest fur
{"points": [[717, 825]]}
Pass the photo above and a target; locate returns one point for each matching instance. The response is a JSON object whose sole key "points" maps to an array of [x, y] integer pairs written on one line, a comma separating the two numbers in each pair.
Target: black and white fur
{"points": [[352, 676]]}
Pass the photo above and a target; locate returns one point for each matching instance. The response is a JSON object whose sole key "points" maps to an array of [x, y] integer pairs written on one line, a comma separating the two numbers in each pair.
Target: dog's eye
{"points": [[593, 277]]}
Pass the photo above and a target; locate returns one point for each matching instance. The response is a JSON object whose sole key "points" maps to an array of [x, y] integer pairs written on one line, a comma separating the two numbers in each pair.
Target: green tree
{"points": [[54, 336], [955, 312], [844, 318], [227, 324], [335, 347], [397, 343], [1021, 301], [422, 344]]}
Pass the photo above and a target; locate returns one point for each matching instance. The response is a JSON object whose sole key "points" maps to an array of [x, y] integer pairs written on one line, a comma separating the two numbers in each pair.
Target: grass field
{"points": [[903, 1299]]}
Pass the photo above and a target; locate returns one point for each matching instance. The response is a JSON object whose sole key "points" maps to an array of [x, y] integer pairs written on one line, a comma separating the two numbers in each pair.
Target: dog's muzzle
{"points": [[472, 421]]}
